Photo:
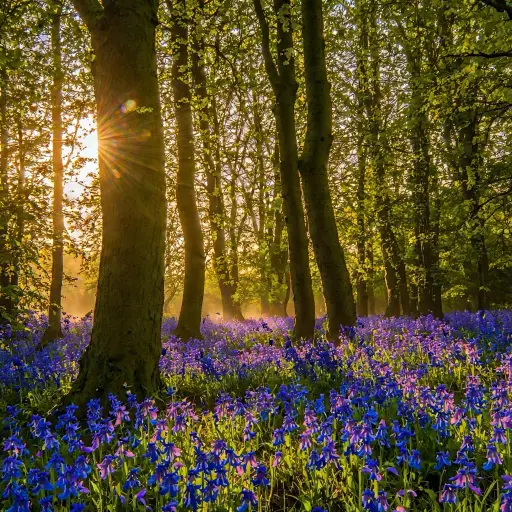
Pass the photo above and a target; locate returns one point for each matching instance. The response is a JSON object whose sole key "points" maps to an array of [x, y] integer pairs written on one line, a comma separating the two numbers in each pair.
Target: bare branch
{"points": [[265, 38]]}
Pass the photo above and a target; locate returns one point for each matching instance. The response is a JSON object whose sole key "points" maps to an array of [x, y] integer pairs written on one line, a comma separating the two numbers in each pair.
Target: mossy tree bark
{"points": [[329, 254], [284, 85], [54, 330], [189, 323], [126, 338]]}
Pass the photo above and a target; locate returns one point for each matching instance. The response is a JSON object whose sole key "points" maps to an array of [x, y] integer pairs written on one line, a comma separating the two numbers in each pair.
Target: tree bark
{"points": [[469, 175], [284, 85], [125, 346], [54, 330], [329, 254], [189, 322]]}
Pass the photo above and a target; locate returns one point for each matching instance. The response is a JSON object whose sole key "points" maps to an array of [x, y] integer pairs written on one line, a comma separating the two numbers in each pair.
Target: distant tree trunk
{"points": [[469, 175], [126, 343], [362, 275], [279, 277], [54, 329], [261, 233], [362, 270], [189, 322], [284, 85], [423, 297], [329, 254], [216, 210], [233, 243], [371, 278], [20, 212], [394, 264], [6, 303], [437, 305]]}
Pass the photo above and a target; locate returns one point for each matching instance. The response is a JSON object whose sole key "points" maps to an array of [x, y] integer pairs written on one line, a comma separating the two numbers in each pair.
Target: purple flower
{"points": [[106, 466], [248, 500]]}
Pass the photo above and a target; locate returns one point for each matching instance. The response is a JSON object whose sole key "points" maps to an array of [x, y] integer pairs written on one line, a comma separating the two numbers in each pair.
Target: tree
{"points": [[125, 345], [284, 86], [313, 163], [189, 323], [54, 329]]}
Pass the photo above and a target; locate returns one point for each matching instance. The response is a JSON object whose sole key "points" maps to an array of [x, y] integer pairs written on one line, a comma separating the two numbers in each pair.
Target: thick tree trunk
{"points": [[216, 210], [189, 322], [284, 85], [126, 344], [54, 329], [329, 254], [6, 303]]}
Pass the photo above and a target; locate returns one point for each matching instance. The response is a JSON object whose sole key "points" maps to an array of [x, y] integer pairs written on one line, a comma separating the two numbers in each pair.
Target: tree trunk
{"points": [[216, 210], [125, 346], [423, 297], [371, 279], [394, 265], [362, 276], [284, 85], [469, 175], [189, 323], [54, 330], [329, 254], [6, 303], [20, 213], [279, 278], [261, 232]]}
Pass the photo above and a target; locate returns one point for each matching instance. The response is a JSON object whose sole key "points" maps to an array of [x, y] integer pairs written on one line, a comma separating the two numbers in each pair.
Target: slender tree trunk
{"points": [[437, 305], [279, 278], [362, 274], [394, 264], [233, 243], [329, 254], [20, 212], [423, 298], [125, 346], [371, 279], [216, 210], [284, 85], [189, 322], [261, 233], [6, 303], [54, 329]]}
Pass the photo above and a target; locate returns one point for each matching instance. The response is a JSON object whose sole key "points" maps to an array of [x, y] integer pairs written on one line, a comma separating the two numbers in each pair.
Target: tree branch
{"points": [[265, 42], [90, 11], [494, 55], [500, 6]]}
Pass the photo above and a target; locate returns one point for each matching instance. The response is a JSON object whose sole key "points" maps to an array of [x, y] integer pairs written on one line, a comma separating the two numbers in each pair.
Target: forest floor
{"points": [[402, 415]]}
